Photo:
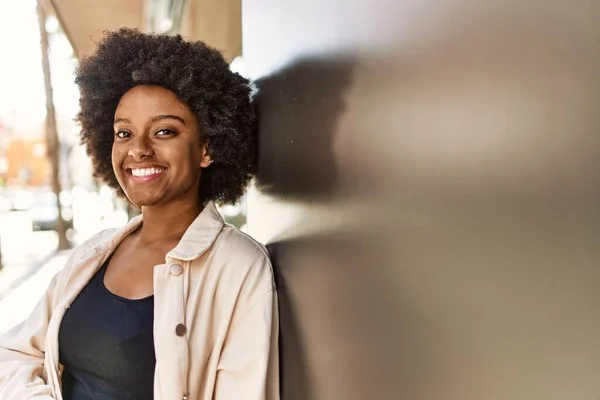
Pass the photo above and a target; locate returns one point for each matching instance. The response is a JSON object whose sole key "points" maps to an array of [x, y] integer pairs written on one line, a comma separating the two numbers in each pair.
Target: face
{"points": [[157, 154]]}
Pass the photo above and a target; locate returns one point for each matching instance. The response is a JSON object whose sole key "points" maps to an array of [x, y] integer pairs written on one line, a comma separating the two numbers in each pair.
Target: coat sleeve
{"points": [[249, 364], [22, 354]]}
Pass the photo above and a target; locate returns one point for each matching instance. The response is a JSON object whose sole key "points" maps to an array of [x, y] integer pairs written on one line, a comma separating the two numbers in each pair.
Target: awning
{"points": [[83, 21], [216, 22]]}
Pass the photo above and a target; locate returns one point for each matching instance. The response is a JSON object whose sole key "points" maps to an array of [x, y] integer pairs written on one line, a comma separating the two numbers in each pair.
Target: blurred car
{"points": [[44, 213], [20, 199]]}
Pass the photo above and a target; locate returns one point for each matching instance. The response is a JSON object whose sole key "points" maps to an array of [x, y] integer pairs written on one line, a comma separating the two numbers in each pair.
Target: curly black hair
{"points": [[199, 76]]}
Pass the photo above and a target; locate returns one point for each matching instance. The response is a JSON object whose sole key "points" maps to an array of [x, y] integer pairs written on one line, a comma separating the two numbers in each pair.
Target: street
{"points": [[17, 304], [24, 253], [30, 259], [22, 249]]}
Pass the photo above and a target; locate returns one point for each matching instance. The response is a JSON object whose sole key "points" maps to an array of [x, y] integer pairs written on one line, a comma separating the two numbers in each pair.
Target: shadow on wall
{"points": [[340, 313], [299, 107], [348, 329], [293, 366]]}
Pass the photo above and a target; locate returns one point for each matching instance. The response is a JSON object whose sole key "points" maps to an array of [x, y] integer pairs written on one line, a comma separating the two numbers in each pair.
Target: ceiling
{"points": [[216, 22], [83, 21]]}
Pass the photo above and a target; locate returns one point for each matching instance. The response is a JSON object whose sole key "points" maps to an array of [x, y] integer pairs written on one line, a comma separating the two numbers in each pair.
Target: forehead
{"points": [[150, 100]]}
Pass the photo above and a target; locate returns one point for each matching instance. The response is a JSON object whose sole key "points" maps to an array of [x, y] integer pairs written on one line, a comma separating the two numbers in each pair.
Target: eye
{"points": [[164, 132], [122, 134]]}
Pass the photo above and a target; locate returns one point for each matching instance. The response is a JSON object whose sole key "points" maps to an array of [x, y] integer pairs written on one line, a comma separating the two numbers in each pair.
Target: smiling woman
{"points": [[157, 154], [177, 304]]}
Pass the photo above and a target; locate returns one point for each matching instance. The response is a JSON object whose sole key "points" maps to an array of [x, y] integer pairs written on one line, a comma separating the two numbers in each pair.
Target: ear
{"points": [[206, 160]]}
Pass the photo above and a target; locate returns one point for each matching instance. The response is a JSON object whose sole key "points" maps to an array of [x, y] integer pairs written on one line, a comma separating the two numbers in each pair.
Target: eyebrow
{"points": [[156, 118]]}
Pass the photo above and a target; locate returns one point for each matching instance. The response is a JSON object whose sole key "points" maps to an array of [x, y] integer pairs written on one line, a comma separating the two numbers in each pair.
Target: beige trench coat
{"points": [[215, 319]]}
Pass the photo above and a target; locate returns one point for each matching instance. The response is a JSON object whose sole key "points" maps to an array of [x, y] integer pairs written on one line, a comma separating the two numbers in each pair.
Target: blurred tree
{"points": [[51, 131]]}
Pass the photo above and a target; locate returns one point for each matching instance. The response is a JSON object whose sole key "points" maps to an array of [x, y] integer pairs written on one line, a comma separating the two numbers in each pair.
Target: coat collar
{"points": [[200, 235], [196, 240]]}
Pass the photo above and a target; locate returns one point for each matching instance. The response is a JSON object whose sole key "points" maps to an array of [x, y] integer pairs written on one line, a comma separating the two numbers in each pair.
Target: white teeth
{"points": [[146, 171]]}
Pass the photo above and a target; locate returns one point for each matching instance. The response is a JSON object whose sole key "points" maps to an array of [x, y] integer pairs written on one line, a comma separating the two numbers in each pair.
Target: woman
{"points": [[175, 305]]}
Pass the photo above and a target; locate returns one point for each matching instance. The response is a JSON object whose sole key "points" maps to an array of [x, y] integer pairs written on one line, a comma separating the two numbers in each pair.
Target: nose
{"points": [[140, 148]]}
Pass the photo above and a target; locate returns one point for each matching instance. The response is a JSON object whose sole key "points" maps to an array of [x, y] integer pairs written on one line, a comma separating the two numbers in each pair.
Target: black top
{"points": [[106, 345]]}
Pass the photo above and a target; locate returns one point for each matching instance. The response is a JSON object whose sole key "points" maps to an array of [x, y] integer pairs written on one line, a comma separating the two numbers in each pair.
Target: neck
{"points": [[167, 224]]}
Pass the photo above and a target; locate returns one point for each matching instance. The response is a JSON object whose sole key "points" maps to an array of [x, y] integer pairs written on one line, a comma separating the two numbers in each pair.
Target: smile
{"points": [[138, 172], [145, 174]]}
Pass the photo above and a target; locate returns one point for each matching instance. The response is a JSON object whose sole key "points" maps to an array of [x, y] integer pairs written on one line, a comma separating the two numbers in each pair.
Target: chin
{"points": [[143, 201], [140, 204]]}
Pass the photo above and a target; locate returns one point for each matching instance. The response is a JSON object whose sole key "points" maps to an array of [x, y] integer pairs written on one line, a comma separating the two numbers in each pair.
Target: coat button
{"points": [[180, 330], [176, 269]]}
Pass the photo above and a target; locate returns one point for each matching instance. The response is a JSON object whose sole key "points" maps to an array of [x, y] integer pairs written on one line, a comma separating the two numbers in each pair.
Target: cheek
{"points": [[187, 157], [195, 158], [116, 160]]}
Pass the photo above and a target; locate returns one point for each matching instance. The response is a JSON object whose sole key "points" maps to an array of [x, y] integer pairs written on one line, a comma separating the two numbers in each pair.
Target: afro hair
{"points": [[199, 76]]}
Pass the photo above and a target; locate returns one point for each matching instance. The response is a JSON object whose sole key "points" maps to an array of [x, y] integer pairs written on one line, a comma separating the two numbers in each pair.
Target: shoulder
{"points": [[242, 243], [79, 258], [90, 248], [94, 243], [99, 239], [244, 256]]}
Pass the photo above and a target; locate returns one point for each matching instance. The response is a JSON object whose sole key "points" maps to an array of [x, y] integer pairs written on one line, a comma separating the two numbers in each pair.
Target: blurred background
{"points": [[49, 201]]}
